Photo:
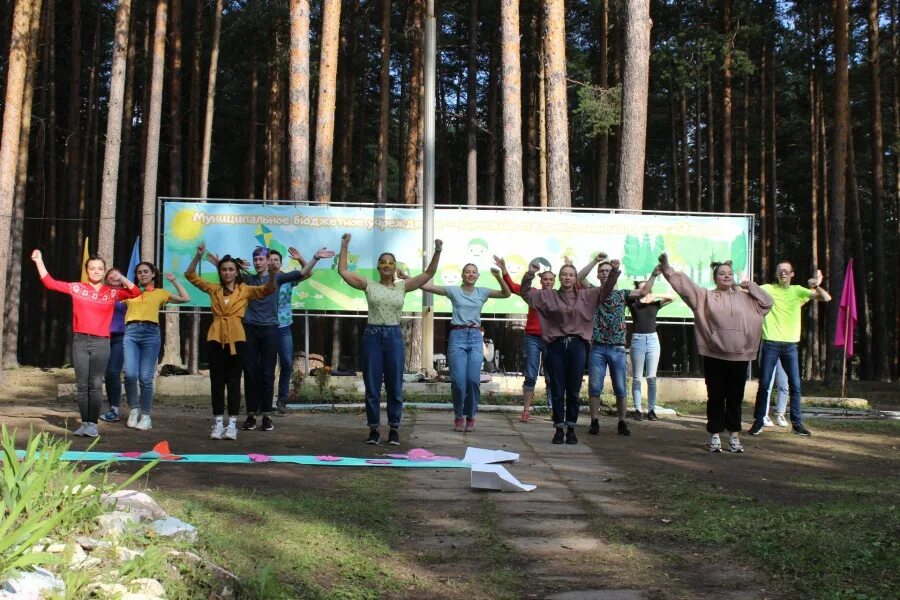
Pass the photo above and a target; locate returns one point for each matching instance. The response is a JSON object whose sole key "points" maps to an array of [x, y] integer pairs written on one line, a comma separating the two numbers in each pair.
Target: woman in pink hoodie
{"points": [[727, 326]]}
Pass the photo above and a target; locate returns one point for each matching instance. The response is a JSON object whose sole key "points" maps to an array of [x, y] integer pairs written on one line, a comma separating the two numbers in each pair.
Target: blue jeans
{"points": [[565, 359], [260, 356], [286, 359], [535, 354], [465, 352], [113, 377], [142, 342], [769, 354], [780, 382], [603, 355], [644, 356], [383, 358]]}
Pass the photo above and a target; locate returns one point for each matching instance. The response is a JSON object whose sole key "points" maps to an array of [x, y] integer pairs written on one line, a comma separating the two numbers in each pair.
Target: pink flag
{"points": [[846, 320]]}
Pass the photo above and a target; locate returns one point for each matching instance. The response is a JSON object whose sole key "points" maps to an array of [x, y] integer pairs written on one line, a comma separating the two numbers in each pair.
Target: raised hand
{"points": [[114, 276], [656, 271], [534, 267], [36, 255], [402, 274], [817, 280], [567, 260], [601, 256], [170, 276], [295, 254], [201, 249], [500, 262], [212, 258], [745, 282], [438, 245], [663, 260], [614, 263], [322, 252], [495, 271], [345, 239]]}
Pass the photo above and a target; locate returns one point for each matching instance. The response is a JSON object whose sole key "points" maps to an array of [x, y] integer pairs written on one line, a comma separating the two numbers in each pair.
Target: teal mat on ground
{"points": [[344, 461]]}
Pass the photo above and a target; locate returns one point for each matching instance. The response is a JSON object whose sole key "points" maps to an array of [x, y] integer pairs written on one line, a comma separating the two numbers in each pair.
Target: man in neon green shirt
{"points": [[780, 335]]}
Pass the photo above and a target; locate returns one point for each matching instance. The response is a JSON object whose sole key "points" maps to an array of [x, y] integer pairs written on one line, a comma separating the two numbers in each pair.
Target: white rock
{"points": [[114, 523], [107, 590], [132, 596], [89, 543], [33, 584], [123, 554], [170, 527], [136, 502], [77, 555], [188, 557], [148, 587]]}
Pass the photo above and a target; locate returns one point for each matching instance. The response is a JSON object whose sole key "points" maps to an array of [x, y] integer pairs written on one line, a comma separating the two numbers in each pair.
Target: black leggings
{"points": [[89, 356], [725, 380], [225, 371]]}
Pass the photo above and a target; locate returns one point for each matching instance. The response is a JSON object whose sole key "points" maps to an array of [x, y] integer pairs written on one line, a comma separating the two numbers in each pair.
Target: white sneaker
{"points": [[218, 431], [767, 421], [780, 420], [90, 430], [231, 432], [714, 444], [81, 431], [734, 443], [144, 424], [133, 417]]}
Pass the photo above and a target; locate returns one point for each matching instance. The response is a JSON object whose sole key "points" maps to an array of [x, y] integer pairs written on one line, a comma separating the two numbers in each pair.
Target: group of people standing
{"points": [[116, 327]]}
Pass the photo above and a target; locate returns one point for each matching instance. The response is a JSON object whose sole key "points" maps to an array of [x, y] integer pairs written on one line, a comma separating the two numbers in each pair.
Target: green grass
{"points": [[846, 544]]}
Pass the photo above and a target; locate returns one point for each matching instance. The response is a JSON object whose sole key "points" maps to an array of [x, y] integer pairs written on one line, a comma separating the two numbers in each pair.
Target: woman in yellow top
{"points": [[228, 301], [142, 340]]}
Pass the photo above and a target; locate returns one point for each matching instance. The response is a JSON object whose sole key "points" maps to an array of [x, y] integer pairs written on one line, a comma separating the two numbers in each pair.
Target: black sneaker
{"points": [[281, 406], [801, 430], [637, 416], [266, 424], [249, 423], [559, 436], [623, 428], [571, 438], [374, 437], [394, 437], [594, 429], [756, 429], [651, 416]]}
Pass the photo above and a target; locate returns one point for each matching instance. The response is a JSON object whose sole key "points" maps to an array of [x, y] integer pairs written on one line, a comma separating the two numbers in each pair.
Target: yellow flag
{"points": [[84, 258]]}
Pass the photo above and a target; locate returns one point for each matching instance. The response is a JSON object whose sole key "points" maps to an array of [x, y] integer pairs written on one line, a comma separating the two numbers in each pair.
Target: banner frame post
{"points": [[428, 183]]}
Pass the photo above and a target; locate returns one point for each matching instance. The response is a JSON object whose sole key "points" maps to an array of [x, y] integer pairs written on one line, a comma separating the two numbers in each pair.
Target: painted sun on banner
{"points": [[470, 236]]}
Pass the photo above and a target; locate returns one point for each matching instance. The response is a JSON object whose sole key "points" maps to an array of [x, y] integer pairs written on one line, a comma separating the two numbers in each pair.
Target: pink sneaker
{"points": [[470, 424], [524, 417], [458, 424]]}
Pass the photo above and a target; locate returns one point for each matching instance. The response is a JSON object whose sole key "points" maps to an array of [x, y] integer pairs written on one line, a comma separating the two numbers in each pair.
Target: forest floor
{"points": [[648, 516]]}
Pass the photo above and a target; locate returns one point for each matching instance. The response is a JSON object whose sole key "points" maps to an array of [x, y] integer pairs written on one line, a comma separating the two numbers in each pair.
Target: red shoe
{"points": [[470, 424], [524, 417], [458, 424]]}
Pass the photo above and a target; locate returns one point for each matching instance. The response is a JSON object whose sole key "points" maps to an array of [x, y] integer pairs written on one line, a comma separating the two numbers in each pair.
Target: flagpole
{"points": [[844, 357]]}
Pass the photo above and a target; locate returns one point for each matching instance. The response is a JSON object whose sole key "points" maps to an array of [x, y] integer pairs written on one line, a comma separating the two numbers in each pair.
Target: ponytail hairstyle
{"points": [[157, 276], [715, 267], [238, 265]]}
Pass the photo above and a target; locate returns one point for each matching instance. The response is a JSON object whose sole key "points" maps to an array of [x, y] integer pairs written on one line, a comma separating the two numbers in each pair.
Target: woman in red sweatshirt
{"points": [[93, 303]]}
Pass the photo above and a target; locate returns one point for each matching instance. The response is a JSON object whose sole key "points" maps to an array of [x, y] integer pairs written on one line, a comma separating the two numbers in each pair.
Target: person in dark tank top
{"points": [[645, 342]]}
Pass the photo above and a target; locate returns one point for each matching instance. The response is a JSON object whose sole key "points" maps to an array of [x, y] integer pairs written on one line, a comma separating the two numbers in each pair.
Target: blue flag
{"points": [[135, 259]]}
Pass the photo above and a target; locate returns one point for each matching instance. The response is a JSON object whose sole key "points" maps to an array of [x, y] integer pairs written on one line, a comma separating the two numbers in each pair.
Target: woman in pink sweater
{"points": [[727, 327], [567, 323]]}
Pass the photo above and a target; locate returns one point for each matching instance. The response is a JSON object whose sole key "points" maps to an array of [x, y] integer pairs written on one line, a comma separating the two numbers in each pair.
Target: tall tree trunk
{"points": [[273, 123], [81, 195], [895, 80], [859, 261], [15, 258], [346, 102], [206, 147], [880, 325], [542, 118], [634, 105], [837, 197], [49, 330], [252, 132], [763, 187], [72, 158], [490, 192], [772, 200], [384, 105], [726, 109], [558, 187], [411, 153], [511, 97], [193, 136], [298, 103], [685, 150], [176, 166], [745, 152], [698, 146], [673, 128], [603, 82], [710, 145], [811, 359], [114, 131], [331, 22], [472, 108], [123, 191]]}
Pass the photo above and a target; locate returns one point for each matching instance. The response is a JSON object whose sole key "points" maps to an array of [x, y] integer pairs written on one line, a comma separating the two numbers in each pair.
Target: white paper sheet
{"points": [[482, 456], [496, 477]]}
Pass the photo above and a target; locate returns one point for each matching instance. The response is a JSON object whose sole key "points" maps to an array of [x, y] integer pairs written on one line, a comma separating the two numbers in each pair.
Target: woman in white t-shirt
{"points": [[382, 346], [465, 348]]}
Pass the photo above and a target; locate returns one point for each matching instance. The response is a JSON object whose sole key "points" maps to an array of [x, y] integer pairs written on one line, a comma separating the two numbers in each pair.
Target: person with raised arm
{"points": [[382, 345], [535, 350], [93, 304], [727, 327], [465, 348], [645, 342], [567, 317], [226, 338], [780, 335], [607, 345], [142, 340], [113, 375]]}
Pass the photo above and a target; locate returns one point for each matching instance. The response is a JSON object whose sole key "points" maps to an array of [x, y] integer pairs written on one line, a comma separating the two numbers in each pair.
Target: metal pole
{"points": [[428, 187], [305, 343]]}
